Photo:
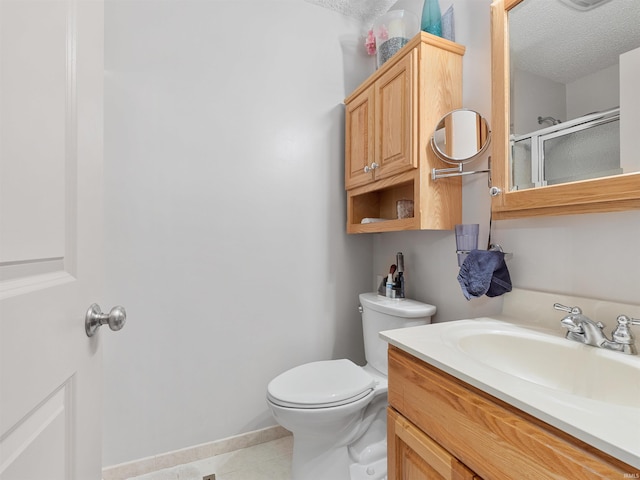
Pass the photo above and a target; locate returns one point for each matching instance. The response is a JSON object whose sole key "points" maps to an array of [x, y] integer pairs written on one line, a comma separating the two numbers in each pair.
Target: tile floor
{"points": [[265, 461]]}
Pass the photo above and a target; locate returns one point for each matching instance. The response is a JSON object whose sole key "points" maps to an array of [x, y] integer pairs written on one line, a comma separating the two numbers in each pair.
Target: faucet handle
{"points": [[631, 321], [570, 324], [622, 333], [564, 308], [574, 321]]}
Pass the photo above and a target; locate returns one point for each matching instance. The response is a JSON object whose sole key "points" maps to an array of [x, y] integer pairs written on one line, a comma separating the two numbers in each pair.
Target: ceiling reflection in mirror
{"points": [[575, 77]]}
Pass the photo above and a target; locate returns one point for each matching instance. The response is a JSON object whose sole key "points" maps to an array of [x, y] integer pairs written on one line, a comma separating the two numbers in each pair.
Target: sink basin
{"points": [[550, 361]]}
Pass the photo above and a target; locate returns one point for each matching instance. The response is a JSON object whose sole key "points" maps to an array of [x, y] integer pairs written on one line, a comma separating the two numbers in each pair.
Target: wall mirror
{"points": [[565, 106], [460, 136]]}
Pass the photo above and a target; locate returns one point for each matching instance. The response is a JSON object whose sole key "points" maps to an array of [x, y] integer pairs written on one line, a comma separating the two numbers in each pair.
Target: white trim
{"points": [[192, 454]]}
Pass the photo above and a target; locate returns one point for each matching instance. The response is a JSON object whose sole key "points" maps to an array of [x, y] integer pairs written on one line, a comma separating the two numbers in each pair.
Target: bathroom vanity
{"points": [[439, 423], [487, 398]]}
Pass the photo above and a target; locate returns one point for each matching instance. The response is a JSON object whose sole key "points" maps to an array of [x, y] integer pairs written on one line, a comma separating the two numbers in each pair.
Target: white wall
{"points": [[225, 218], [431, 265], [629, 111], [538, 96], [591, 255], [593, 93], [225, 213], [535, 96]]}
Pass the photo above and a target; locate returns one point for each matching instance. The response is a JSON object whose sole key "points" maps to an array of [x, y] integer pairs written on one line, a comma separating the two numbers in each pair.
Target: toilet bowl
{"points": [[336, 409]]}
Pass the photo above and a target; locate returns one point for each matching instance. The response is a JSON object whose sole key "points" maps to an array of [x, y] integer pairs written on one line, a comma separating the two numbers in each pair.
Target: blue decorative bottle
{"points": [[431, 18]]}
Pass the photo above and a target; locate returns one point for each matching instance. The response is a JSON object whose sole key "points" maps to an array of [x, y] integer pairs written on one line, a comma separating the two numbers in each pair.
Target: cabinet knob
{"points": [[371, 168]]}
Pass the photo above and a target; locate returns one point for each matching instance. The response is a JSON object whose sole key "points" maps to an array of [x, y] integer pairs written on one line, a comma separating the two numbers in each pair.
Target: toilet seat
{"points": [[321, 384]]}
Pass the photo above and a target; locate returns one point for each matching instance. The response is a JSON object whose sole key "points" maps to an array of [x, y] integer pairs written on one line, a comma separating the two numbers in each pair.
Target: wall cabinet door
{"points": [[415, 456], [380, 122], [396, 136], [359, 139]]}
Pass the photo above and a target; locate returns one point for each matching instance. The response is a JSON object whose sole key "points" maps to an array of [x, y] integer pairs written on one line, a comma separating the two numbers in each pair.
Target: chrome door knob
{"points": [[94, 318]]}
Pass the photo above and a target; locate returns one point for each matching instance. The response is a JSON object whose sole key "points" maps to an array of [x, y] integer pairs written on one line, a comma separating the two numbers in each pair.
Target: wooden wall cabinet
{"points": [[389, 120], [482, 433]]}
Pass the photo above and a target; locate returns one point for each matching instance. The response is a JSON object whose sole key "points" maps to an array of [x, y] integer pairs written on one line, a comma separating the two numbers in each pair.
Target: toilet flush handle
{"points": [[360, 308]]}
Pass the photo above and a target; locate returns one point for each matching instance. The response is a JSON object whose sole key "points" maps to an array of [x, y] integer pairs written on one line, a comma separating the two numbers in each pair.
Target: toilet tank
{"points": [[382, 313]]}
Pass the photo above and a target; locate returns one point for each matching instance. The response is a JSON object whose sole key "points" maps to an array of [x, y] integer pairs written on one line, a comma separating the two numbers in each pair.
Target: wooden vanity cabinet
{"points": [[472, 431], [415, 456], [389, 120]]}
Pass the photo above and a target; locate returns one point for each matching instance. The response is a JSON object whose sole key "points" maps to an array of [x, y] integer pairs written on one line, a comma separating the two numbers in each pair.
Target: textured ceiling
{"points": [[366, 11], [552, 40]]}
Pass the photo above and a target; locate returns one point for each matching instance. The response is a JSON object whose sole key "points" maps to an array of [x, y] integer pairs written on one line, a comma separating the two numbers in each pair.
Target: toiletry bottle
{"points": [[399, 283], [382, 288]]}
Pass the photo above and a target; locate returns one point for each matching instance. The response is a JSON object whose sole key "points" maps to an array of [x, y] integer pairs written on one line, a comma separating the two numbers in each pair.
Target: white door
{"points": [[51, 148]]}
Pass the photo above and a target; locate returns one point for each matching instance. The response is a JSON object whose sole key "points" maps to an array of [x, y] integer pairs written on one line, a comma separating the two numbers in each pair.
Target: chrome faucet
{"points": [[584, 330], [551, 120]]}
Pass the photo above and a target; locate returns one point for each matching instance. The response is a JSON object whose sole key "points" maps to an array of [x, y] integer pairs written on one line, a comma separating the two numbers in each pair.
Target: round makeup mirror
{"points": [[460, 136]]}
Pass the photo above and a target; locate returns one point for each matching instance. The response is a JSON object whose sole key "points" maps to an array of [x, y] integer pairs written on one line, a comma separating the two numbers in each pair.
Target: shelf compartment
{"points": [[380, 204]]}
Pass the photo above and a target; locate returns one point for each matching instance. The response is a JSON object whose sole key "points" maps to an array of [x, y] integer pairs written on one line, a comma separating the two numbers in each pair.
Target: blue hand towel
{"points": [[484, 272]]}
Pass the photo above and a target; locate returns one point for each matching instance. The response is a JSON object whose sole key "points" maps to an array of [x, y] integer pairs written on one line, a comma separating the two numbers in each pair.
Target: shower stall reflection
{"points": [[578, 149]]}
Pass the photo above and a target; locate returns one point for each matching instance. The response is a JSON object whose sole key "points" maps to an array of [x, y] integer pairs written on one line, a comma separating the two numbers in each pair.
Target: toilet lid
{"points": [[320, 384]]}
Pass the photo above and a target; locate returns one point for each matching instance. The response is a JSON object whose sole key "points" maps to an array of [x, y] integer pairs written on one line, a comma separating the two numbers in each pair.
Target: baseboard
{"points": [[191, 454]]}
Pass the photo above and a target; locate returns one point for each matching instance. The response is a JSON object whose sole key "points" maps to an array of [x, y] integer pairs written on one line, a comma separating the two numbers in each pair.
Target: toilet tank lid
{"points": [[399, 307]]}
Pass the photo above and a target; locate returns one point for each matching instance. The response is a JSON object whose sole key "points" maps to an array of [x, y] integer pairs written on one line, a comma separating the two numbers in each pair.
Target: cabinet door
{"points": [[412, 455], [359, 139], [396, 118]]}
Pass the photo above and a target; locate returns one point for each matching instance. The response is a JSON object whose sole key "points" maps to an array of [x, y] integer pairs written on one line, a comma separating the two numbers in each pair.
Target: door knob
{"points": [[94, 318]]}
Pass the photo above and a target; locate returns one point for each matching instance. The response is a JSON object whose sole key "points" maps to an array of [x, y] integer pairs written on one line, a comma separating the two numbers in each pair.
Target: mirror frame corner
{"points": [[606, 194]]}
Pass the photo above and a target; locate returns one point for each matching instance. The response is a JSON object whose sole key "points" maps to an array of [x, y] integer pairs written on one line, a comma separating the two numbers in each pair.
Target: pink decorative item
{"points": [[370, 43]]}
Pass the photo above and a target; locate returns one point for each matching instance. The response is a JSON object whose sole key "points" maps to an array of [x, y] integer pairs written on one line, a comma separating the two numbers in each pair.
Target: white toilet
{"points": [[335, 409]]}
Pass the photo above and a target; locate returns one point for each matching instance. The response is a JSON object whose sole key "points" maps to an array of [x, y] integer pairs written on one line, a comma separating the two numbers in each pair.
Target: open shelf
{"points": [[380, 204]]}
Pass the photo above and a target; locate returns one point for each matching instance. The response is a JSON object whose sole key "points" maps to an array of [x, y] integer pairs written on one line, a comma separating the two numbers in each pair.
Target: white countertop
{"points": [[612, 428]]}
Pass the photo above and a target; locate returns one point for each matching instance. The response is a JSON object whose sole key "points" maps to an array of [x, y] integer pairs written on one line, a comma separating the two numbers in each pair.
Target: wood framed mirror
{"points": [[606, 194]]}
